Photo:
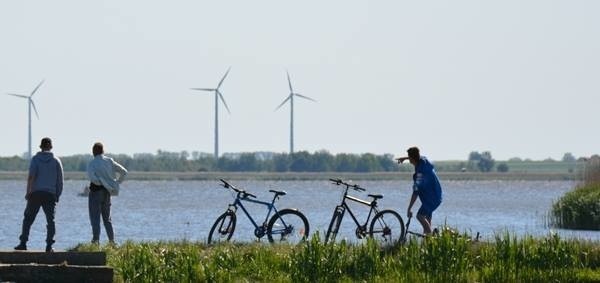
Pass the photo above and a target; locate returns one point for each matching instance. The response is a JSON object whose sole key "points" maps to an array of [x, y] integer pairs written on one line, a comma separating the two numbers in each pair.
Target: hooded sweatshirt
{"points": [[426, 184], [47, 171]]}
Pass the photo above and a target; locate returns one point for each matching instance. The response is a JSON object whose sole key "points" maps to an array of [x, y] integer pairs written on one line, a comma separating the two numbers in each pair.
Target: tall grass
{"points": [[447, 258], [580, 208]]}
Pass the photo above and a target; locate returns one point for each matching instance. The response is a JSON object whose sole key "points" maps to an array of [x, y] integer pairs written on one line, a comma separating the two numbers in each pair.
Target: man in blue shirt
{"points": [[44, 187], [426, 186]]}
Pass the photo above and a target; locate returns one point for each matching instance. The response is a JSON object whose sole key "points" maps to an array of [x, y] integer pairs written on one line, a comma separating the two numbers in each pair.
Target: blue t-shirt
{"points": [[426, 184]]}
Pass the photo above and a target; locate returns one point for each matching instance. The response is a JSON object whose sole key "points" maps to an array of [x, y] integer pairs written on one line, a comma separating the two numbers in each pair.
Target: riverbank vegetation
{"points": [[446, 258], [580, 208]]}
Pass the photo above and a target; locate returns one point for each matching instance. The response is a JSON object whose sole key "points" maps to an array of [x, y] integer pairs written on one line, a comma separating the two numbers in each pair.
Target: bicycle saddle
{"points": [[376, 196], [278, 193]]}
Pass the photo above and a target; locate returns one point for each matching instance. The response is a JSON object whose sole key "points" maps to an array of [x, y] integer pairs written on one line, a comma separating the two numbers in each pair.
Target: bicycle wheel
{"points": [[387, 227], [334, 225], [223, 228], [289, 226]]}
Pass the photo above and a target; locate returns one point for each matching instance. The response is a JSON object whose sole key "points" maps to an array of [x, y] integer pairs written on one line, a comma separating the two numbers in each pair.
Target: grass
{"points": [[447, 258]]}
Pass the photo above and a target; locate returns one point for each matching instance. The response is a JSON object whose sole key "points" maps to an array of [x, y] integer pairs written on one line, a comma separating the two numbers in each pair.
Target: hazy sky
{"points": [[517, 78]]}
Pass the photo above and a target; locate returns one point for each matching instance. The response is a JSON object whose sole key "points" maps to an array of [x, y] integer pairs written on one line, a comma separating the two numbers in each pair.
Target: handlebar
{"points": [[244, 194], [340, 182]]}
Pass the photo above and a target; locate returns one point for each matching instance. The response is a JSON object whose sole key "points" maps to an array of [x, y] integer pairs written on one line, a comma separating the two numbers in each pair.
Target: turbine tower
{"points": [[291, 99], [31, 104], [218, 95]]}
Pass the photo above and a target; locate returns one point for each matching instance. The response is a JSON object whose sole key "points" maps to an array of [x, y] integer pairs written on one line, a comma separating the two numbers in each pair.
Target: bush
{"points": [[580, 208]]}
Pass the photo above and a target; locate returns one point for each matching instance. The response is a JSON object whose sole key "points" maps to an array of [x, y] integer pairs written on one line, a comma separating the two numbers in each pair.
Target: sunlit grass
{"points": [[449, 257]]}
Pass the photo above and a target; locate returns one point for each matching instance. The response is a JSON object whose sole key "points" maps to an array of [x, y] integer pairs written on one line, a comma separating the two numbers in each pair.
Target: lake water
{"points": [[175, 210]]}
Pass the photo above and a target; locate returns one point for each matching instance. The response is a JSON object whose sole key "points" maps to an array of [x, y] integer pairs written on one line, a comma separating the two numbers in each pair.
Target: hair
{"points": [[98, 148], [413, 153], [46, 144]]}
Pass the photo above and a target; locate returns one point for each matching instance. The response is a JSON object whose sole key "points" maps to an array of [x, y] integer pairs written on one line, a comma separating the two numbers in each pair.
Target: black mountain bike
{"points": [[386, 227], [286, 225]]}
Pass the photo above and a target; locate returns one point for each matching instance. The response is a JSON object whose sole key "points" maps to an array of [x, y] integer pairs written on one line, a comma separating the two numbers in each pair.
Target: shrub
{"points": [[580, 208]]}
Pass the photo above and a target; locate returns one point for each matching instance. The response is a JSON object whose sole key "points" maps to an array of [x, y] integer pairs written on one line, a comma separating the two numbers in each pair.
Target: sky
{"points": [[517, 78]]}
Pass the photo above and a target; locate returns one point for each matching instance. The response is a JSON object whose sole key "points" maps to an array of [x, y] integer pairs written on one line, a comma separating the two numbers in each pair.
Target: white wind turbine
{"points": [[291, 99], [218, 95], [31, 104]]}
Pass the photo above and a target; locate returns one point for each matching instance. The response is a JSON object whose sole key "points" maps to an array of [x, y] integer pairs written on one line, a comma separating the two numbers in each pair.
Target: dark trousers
{"points": [[99, 205], [36, 200]]}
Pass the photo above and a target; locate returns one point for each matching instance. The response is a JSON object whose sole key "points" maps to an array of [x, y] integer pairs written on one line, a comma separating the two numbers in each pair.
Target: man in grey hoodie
{"points": [[44, 186]]}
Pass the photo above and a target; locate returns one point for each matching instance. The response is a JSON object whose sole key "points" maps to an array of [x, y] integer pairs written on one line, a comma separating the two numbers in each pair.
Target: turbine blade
{"points": [[305, 97], [289, 81], [282, 103], [221, 82], [36, 88], [203, 89], [34, 109], [223, 100], [18, 95]]}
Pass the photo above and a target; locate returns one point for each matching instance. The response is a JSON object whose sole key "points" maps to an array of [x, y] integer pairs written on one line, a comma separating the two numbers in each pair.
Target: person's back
{"points": [[430, 189], [44, 187], [104, 182], [103, 170], [47, 172]]}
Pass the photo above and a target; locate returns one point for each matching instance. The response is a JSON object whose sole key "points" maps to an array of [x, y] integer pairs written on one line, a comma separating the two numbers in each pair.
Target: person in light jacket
{"points": [[105, 176], [44, 187]]}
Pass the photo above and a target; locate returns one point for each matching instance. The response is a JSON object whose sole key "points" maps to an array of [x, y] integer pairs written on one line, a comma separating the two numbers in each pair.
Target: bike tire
{"points": [[290, 225], [387, 227], [223, 228], [334, 225]]}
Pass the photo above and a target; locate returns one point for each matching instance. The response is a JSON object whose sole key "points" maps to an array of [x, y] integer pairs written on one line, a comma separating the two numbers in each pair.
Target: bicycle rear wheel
{"points": [[288, 226], [334, 225], [387, 227], [223, 228]]}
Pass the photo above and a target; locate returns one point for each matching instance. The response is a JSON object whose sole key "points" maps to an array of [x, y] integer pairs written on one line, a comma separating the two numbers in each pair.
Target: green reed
{"points": [[449, 257]]}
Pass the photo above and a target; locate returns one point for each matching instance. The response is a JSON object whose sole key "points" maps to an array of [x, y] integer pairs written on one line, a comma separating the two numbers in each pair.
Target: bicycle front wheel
{"points": [[334, 225], [223, 228], [387, 227], [288, 226]]}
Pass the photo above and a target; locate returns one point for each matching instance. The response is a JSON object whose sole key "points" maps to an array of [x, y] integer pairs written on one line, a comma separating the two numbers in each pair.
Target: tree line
{"points": [[302, 161], [164, 161]]}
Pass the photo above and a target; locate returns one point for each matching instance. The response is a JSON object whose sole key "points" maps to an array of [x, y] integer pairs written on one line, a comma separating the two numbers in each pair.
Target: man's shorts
{"points": [[427, 210]]}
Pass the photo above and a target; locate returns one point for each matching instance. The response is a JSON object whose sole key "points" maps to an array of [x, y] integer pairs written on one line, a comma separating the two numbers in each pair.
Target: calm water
{"points": [[174, 210]]}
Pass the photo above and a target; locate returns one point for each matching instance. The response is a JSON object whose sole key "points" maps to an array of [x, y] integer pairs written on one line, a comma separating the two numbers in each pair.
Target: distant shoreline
{"points": [[456, 176]]}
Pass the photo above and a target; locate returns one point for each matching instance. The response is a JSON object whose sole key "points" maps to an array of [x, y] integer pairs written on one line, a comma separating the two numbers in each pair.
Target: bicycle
{"points": [[286, 225], [386, 227], [407, 231]]}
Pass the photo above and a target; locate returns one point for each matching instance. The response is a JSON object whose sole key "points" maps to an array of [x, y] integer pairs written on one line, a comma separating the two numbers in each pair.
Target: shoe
{"points": [[49, 249], [95, 242], [21, 247]]}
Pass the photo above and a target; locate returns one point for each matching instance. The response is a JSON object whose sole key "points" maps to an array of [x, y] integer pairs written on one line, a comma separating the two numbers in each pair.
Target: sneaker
{"points": [[95, 242], [49, 249], [21, 247]]}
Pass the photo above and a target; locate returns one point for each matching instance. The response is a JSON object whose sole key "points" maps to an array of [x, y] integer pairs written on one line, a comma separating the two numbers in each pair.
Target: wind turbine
{"points": [[218, 95], [31, 105], [291, 99]]}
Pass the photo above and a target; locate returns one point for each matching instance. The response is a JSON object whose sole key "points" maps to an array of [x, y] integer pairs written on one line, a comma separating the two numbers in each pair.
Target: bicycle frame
{"points": [[270, 206], [372, 204]]}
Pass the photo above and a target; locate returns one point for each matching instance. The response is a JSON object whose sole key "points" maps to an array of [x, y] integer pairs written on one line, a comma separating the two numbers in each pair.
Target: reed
{"points": [[580, 208], [449, 257]]}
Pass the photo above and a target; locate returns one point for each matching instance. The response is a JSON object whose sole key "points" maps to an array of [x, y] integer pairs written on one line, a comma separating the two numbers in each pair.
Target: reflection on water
{"points": [[174, 210]]}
